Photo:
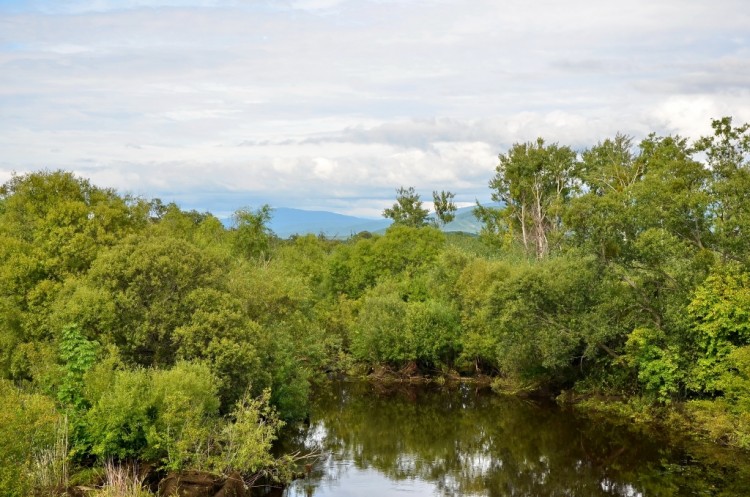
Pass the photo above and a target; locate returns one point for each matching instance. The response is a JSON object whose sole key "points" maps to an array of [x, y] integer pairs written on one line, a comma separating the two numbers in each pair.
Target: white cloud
{"points": [[685, 114], [315, 103], [316, 4]]}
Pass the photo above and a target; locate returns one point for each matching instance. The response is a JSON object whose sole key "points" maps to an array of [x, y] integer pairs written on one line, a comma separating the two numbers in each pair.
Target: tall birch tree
{"points": [[534, 181]]}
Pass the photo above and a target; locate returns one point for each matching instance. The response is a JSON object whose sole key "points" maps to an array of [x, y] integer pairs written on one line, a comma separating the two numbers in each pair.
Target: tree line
{"points": [[142, 331]]}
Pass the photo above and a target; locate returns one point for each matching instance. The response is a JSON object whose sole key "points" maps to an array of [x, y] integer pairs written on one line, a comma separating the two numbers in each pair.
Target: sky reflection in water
{"points": [[423, 442]]}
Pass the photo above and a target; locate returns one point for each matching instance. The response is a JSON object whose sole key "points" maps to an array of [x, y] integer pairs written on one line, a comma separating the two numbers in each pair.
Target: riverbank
{"points": [[702, 420], [705, 420], [427, 439]]}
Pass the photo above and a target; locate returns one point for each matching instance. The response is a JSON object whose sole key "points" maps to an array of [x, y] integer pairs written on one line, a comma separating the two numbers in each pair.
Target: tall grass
{"points": [[49, 471], [122, 481]]}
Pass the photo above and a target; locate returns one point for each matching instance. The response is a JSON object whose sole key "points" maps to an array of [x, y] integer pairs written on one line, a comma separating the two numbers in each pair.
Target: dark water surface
{"points": [[428, 441]]}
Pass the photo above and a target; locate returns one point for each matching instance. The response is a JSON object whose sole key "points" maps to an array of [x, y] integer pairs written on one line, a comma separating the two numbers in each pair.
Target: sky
{"points": [[333, 104]]}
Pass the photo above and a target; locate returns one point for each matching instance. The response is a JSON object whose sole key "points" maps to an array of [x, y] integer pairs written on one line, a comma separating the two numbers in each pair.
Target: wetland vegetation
{"points": [[617, 277]]}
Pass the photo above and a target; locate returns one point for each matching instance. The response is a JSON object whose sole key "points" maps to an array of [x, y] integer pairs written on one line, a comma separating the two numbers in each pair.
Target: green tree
{"points": [[247, 440], [673, 194], [728, 157], [627, 193], [378, 337], [720, 309], [191, 225], [65, 220], [543, 318], [495, 231], [534, 181], [474, 288], [252, 236], [445, 208], [53, 225], [219, 332], [646, 213], [432, 327], [407, 250], [291, 345], [138, 293], [602, 218], [357, 266], [407, 210]]}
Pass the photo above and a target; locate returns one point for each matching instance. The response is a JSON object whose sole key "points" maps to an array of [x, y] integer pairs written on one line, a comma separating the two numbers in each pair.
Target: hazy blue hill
{"points": [[286, 222], [464, 221]]}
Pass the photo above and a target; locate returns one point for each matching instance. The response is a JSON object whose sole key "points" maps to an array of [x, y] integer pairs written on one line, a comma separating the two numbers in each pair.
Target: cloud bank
{"points": [[332, 104]]}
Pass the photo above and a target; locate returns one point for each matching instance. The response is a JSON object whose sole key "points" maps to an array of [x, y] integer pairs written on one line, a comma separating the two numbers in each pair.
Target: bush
{"points": [[432, 327], [155, 415], [28, 429], [378, 334], [246, 440]]}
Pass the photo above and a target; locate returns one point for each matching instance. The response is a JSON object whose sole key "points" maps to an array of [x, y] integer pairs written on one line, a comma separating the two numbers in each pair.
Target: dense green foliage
{"points": [[622, 269]]}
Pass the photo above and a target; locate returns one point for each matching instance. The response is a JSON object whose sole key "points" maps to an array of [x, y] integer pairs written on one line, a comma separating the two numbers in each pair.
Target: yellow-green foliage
{"points": [[171, 416], [28, 428], [402, 251], [721, 312], [378, 335], [474, 287], [727, 419], [658, 367], [246, 440], [154, 415]]}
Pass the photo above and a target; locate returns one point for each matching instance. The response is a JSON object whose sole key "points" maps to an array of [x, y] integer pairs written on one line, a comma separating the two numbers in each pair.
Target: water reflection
{"points": [[425, 442]]}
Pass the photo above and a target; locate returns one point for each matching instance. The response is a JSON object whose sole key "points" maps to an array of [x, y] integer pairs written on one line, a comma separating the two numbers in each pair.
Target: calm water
{"points": [[431, 442]]}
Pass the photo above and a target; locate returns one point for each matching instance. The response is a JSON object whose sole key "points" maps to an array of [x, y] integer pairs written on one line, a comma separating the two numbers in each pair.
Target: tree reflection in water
{"points": [[456, 442]]}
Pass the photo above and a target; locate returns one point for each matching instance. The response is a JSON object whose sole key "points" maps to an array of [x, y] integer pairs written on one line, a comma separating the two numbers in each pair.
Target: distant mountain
{"points": [[286, 222], [464, 221]]}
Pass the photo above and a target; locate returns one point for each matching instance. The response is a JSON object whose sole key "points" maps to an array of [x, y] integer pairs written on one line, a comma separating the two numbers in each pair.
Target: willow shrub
{"points": [[393, 329]]}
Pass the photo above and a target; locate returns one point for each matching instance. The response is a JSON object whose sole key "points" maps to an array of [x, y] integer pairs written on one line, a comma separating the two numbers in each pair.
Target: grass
{"points": [[49, 471], [122, 481]]}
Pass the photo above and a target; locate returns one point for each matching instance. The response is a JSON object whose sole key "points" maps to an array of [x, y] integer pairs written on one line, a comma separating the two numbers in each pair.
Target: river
{"points": [[436, 441]]}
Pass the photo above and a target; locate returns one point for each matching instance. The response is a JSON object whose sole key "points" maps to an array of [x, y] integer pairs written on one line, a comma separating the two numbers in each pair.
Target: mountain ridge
{"points": [[287, 221]]}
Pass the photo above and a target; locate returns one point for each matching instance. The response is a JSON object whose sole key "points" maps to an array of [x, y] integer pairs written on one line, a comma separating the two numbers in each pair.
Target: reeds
{"points": [[122, 480], [48, 473]]}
